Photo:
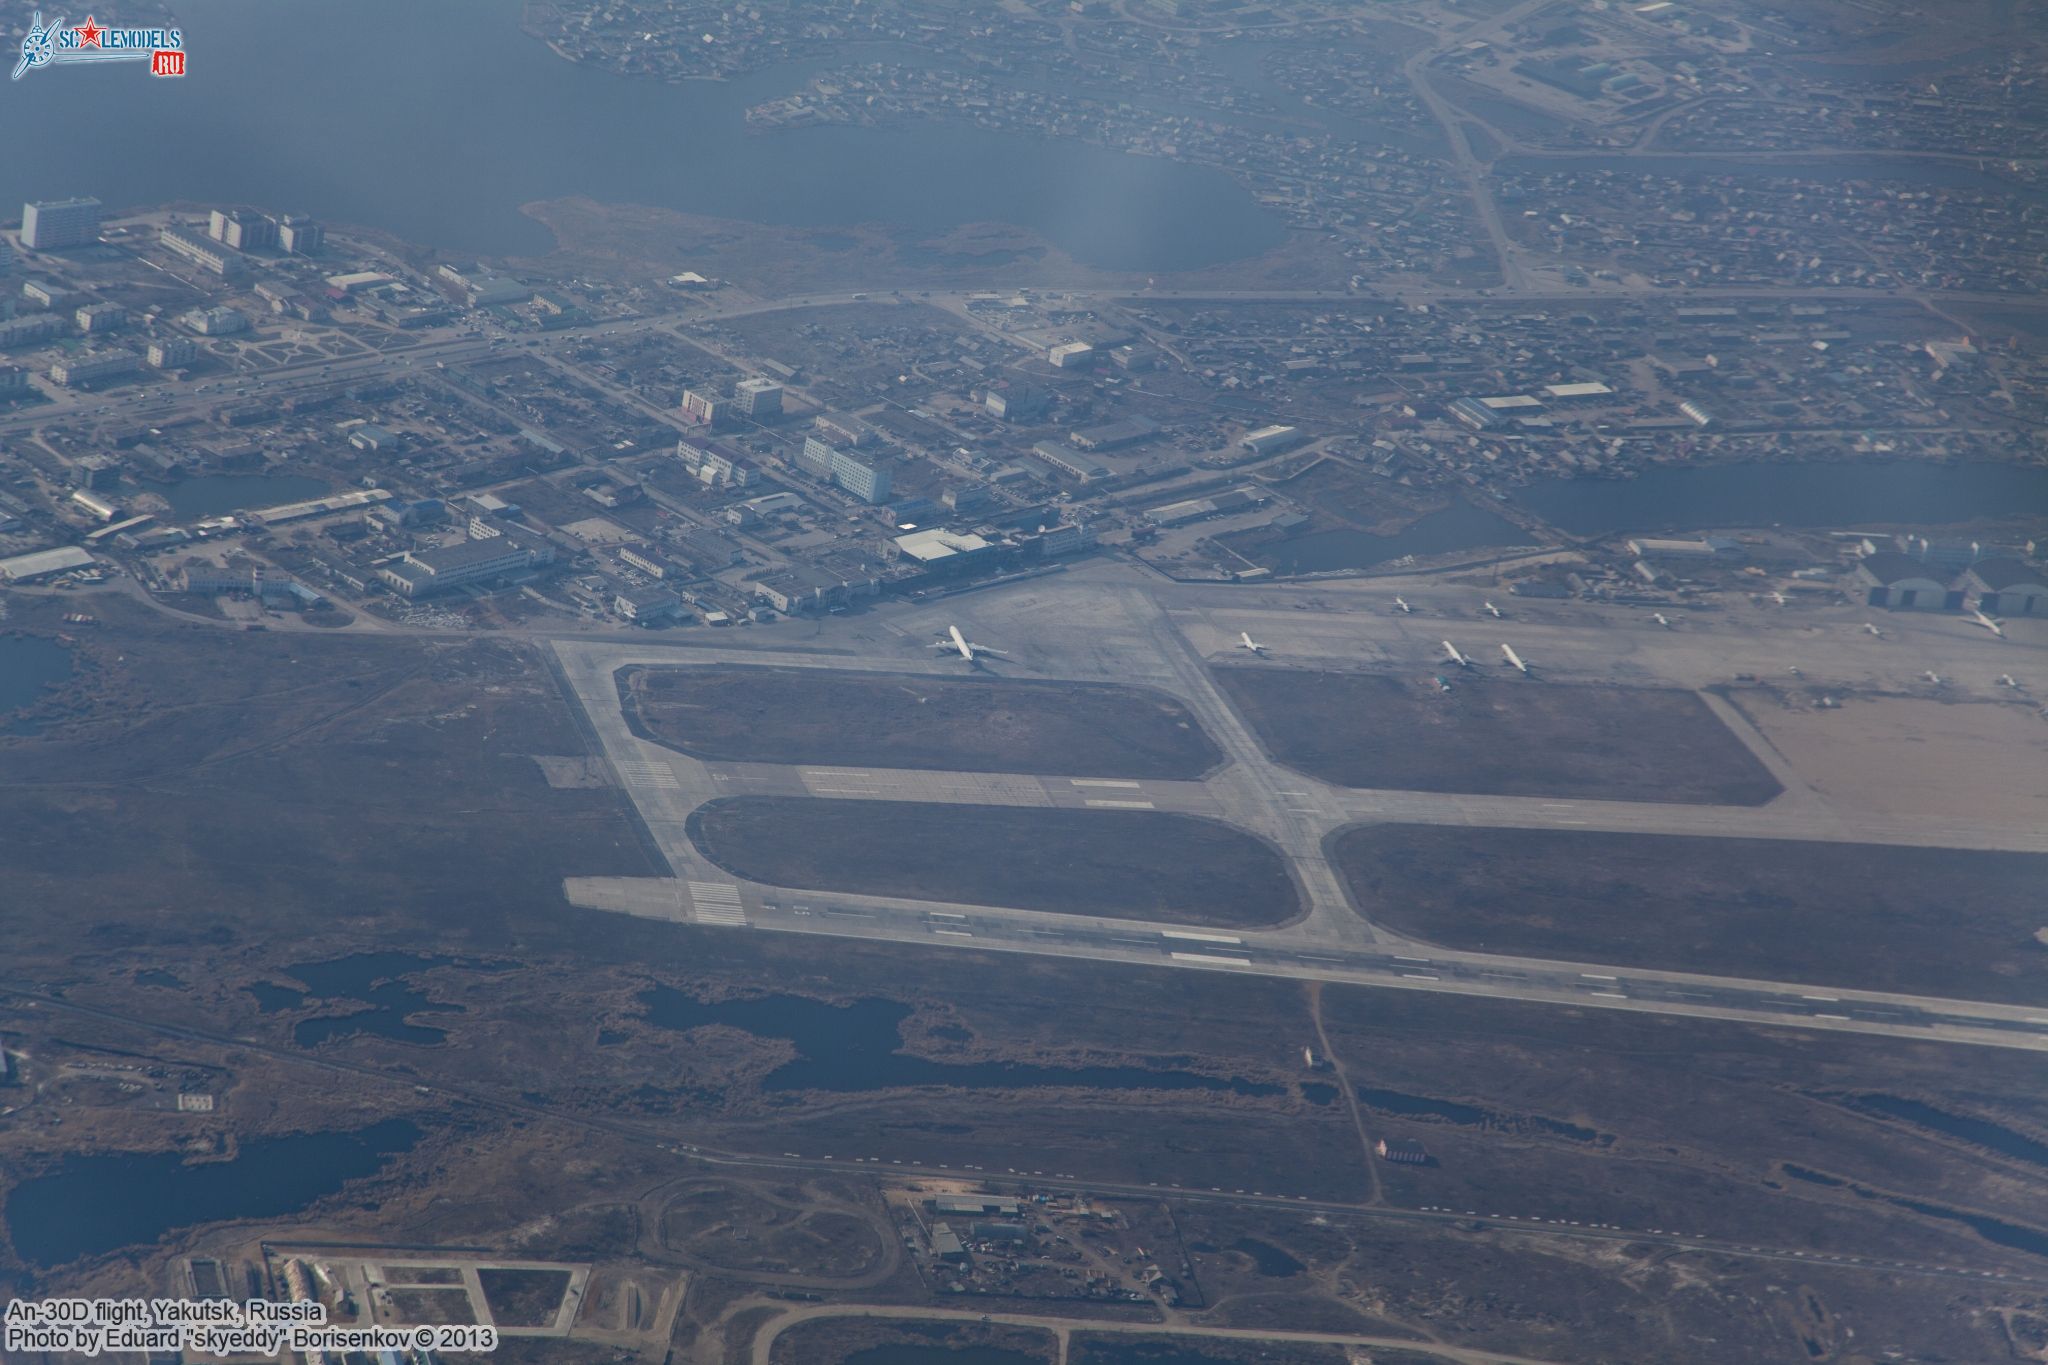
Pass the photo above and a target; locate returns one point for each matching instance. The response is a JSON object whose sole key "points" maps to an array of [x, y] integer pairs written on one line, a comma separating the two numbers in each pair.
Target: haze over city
{"points": [[1058, 682]]}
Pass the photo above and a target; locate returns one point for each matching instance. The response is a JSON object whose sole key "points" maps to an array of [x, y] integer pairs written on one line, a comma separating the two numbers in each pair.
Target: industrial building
{"points": [[1901, 582], [426, 572], [1070, 462], [1402, 1151], [43, 564], [952, 551], [1705, 547], [53, 223], [803, 587], [1017, 403], [1194, 509], [102, 508], [217, 257], [647, 606], [1272, 440], [1127, 431], [212, 580], [2006, 587]]}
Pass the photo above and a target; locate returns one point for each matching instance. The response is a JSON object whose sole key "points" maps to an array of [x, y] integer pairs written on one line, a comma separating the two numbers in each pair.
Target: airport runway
{"points": [[1291, 954], [1129, 637]]}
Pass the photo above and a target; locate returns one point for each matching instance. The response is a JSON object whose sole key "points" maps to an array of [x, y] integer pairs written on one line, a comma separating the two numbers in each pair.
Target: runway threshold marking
{"points": [[717, 903]]}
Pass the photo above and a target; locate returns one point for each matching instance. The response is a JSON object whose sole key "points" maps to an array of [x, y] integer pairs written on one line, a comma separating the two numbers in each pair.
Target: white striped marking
{"points": [[1208, 957], [1103, 782], [638, 773], [1196, 937], [1121, 805], [717, 903]]}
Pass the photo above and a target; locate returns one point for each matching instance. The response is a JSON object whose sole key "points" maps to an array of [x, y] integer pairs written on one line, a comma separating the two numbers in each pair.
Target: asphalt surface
{"points": [[1331, 942]]}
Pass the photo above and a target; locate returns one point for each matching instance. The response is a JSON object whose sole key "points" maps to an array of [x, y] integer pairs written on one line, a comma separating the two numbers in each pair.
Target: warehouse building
{"points": [[1272, 440], [647, 606], [208, 255], [2006, 587], [43, 564], [426, 572], [1903, 583], [1402, 1151]]}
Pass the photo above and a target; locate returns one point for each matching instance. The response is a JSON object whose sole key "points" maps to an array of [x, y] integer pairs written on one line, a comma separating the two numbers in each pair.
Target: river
{"points": [[437, 122], [1797, 494]]}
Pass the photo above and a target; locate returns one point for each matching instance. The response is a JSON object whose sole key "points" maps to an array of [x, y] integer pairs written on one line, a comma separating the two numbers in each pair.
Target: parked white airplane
{"points": [[1456, 655], [1514, 658], [1871, 626], [963, 646], [2006, 680], [1989, 624], [1661, 619], [1932, 677], [1401, 605], [1245, 641], [1493, 611], [1779, 598]]}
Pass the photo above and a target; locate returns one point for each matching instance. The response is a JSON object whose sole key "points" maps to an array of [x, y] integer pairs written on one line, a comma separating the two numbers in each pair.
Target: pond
{"points": [[91, 1205], [28, 664]]}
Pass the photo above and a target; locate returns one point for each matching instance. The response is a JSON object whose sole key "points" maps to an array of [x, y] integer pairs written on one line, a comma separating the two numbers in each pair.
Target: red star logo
{"points": [[89, 33]]}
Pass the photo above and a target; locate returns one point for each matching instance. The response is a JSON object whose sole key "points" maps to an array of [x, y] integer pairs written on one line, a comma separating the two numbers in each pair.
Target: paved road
{"points": [[1327, 941], [1061, 1328]]}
